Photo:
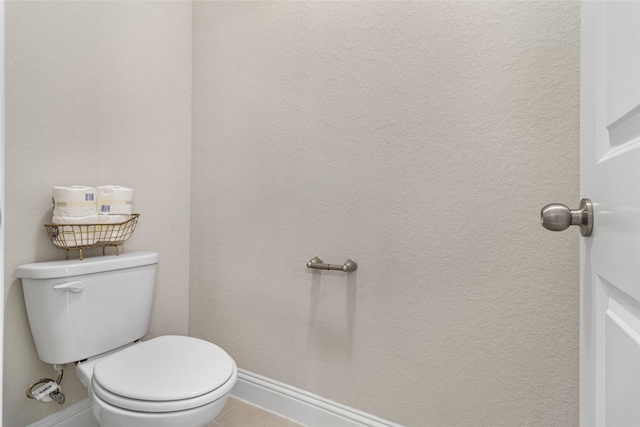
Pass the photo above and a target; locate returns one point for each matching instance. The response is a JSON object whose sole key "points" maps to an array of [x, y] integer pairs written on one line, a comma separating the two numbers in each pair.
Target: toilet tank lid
{"points": [[76, 267]]}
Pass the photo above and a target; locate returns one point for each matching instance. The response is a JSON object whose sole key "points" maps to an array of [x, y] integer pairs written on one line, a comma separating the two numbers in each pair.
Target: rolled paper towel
{"points": [[115, 200], [74, 201]]}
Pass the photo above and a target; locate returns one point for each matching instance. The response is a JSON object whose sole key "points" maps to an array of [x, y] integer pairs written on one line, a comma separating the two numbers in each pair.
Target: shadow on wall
{"points": [[331, 332]]}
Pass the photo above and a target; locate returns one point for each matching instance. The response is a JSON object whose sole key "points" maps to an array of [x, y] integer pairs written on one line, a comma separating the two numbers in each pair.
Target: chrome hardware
{"points": [[48, 390], [558, 217], [58, 397], [349, 266]]}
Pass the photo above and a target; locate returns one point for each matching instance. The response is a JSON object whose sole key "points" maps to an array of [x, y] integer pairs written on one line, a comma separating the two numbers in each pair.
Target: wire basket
{"points": [[89, 236]]}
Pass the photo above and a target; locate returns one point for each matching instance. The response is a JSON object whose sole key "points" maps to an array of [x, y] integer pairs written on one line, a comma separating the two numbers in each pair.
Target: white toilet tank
{"points": [[82, 308]]}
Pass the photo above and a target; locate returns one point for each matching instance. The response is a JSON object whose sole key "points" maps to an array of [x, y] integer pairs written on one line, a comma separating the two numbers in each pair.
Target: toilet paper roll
{"points": [[111, 228], [74, 201], [89, 219], [115, 200], [112, 219], [77, 235]]}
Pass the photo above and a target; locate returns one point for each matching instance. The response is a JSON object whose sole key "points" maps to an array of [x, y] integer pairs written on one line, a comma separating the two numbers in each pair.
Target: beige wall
{"points": [[421, 139], [97, 93]]}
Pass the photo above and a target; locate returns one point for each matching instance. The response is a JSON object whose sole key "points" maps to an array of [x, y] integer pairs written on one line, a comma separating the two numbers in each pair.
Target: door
{"points": [[610, 177], [1, 192]]}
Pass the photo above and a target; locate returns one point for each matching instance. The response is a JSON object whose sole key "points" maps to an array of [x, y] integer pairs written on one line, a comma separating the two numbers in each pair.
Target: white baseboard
{"points": [[77, 415], [289, 402], [300, 406]]}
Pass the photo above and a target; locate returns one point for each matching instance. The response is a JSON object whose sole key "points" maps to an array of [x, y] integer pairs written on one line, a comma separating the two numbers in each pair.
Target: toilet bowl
{"points": [[166, 381]]}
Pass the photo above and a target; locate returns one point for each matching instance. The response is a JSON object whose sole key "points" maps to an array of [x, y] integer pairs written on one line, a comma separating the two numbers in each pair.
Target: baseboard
{"points": [[289, 402], [77, 415], [300, 406]]}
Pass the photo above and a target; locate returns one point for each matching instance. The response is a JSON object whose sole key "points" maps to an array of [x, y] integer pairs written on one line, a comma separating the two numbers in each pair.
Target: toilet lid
{"points": [[165, 368]]}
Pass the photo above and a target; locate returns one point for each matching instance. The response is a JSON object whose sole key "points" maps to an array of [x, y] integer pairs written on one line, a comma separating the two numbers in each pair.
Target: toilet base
{"points": [[110, 416]]}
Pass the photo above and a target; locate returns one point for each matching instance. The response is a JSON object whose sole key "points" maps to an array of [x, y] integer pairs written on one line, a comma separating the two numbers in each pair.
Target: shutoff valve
{"points": [[48, 392]]}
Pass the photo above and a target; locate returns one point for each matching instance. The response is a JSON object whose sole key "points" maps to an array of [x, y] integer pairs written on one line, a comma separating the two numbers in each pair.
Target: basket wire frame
{"points": [[89, 236]]}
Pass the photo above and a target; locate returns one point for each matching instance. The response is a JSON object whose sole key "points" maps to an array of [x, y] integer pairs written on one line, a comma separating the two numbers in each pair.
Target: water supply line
{"points": [[47, 389]]}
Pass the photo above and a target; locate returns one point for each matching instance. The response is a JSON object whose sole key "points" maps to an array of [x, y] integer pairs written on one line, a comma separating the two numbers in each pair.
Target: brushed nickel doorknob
{"points": [[558, 217]]}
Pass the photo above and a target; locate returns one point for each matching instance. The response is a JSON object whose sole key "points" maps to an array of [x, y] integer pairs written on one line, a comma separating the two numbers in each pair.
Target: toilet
{"points": [[93, 312]]}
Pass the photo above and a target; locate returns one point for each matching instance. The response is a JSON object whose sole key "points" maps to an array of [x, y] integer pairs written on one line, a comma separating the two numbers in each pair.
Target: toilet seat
{"points": [[159, 407], [164, 374]]}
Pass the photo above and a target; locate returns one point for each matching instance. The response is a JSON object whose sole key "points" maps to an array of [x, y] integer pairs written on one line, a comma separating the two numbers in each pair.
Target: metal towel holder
{"points": [[349, 266]]}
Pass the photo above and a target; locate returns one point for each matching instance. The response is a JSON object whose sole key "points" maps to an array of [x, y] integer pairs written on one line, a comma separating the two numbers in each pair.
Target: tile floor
{"points": [[237, 413]]}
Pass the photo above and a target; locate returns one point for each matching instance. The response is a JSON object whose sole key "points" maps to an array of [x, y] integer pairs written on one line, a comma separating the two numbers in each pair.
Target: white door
{"points": [[610, 177], [2, 127]]}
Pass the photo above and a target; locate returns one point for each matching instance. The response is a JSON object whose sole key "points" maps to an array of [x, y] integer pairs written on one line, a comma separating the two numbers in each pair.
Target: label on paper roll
{"points": [[74, 201], [115, 200]]}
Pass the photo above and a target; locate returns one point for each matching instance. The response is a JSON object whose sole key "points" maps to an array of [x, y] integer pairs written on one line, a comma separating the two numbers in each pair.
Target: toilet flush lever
{"points": [[70, 286]]}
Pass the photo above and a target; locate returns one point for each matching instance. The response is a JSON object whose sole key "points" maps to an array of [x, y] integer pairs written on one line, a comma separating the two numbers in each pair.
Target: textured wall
{"points": [[97, 93], [421, 139]]}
